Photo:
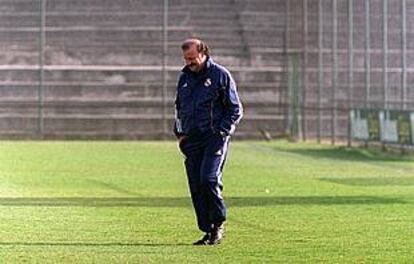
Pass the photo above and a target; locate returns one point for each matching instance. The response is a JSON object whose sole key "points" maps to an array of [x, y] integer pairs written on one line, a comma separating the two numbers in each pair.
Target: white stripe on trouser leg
{"points": [[232, 129], [178, 125], [222, 158]]}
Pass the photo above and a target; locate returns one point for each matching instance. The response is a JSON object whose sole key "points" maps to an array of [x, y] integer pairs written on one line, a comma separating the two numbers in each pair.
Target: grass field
{"points": [[127, 202]]}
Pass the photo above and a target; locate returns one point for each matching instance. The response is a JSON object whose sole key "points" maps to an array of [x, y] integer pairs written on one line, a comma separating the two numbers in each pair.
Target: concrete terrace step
{"points": [[127, 40], [130, 89], [19, 6], [139, 53], [121, 5], [101, 28], [262, 5], [191, 2], [103, 106], [263, 19], [108, 89], [127, 68], [67, 120], [89, 19], [109, 56], [124, 96], [150, 12], [140, 57], [128, 44], [114, 18], [85, 126], [127, 128], [97, 29], [123, 74], [222, 48], [131, 34], [91, 50], [19, 57]]}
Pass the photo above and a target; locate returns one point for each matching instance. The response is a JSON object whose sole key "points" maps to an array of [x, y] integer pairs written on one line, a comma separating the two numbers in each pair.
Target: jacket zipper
{"points": [[211, 115], [193, 98]]}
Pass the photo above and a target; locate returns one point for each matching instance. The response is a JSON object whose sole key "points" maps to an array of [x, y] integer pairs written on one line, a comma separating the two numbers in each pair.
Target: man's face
{"points": [[194, 59]]}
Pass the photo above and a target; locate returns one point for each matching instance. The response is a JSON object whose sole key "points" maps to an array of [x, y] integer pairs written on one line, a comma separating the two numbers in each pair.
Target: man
{"points": [[207, 110]]}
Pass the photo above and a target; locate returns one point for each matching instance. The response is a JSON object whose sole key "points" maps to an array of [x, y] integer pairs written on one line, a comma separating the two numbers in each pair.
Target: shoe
{"points": [[217, 234], [203, 241]]}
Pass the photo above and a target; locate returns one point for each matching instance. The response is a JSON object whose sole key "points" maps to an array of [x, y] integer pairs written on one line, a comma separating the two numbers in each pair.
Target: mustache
{"points": [[191, 64]]}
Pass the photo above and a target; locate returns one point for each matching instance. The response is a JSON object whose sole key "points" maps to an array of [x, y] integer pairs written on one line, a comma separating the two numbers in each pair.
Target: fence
{"points": [[354, 54]]}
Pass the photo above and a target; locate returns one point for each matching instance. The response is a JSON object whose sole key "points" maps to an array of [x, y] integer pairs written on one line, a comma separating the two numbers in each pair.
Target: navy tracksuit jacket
{"points": [[207, 110]]}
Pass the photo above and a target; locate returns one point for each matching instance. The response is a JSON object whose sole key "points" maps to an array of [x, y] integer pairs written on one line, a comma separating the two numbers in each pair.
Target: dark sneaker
{"points": [[217, 234], [203, 241]]}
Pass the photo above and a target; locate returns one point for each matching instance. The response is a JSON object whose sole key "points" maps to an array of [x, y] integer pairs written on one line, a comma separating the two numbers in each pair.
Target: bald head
{"points": [[195, 53]]}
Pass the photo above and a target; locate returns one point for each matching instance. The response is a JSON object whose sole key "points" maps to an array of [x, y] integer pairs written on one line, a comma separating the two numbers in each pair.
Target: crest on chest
{"points": [[207, 82]]}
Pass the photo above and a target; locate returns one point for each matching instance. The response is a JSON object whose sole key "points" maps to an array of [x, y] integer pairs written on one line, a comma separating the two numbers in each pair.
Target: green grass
{"points": [[127, 202]]}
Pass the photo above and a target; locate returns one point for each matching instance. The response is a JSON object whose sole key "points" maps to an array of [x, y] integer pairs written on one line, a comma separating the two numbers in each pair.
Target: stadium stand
{"points": [[102, 73]]}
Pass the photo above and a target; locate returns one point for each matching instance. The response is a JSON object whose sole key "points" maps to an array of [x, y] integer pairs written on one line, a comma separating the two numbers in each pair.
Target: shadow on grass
{"points": [[373, 181], [86, 244], [185, 201], [347, 154], [111, 187]]}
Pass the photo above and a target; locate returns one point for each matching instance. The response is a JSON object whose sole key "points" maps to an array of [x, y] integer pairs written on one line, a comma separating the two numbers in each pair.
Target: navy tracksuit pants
{"points": [[204, 162]]}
